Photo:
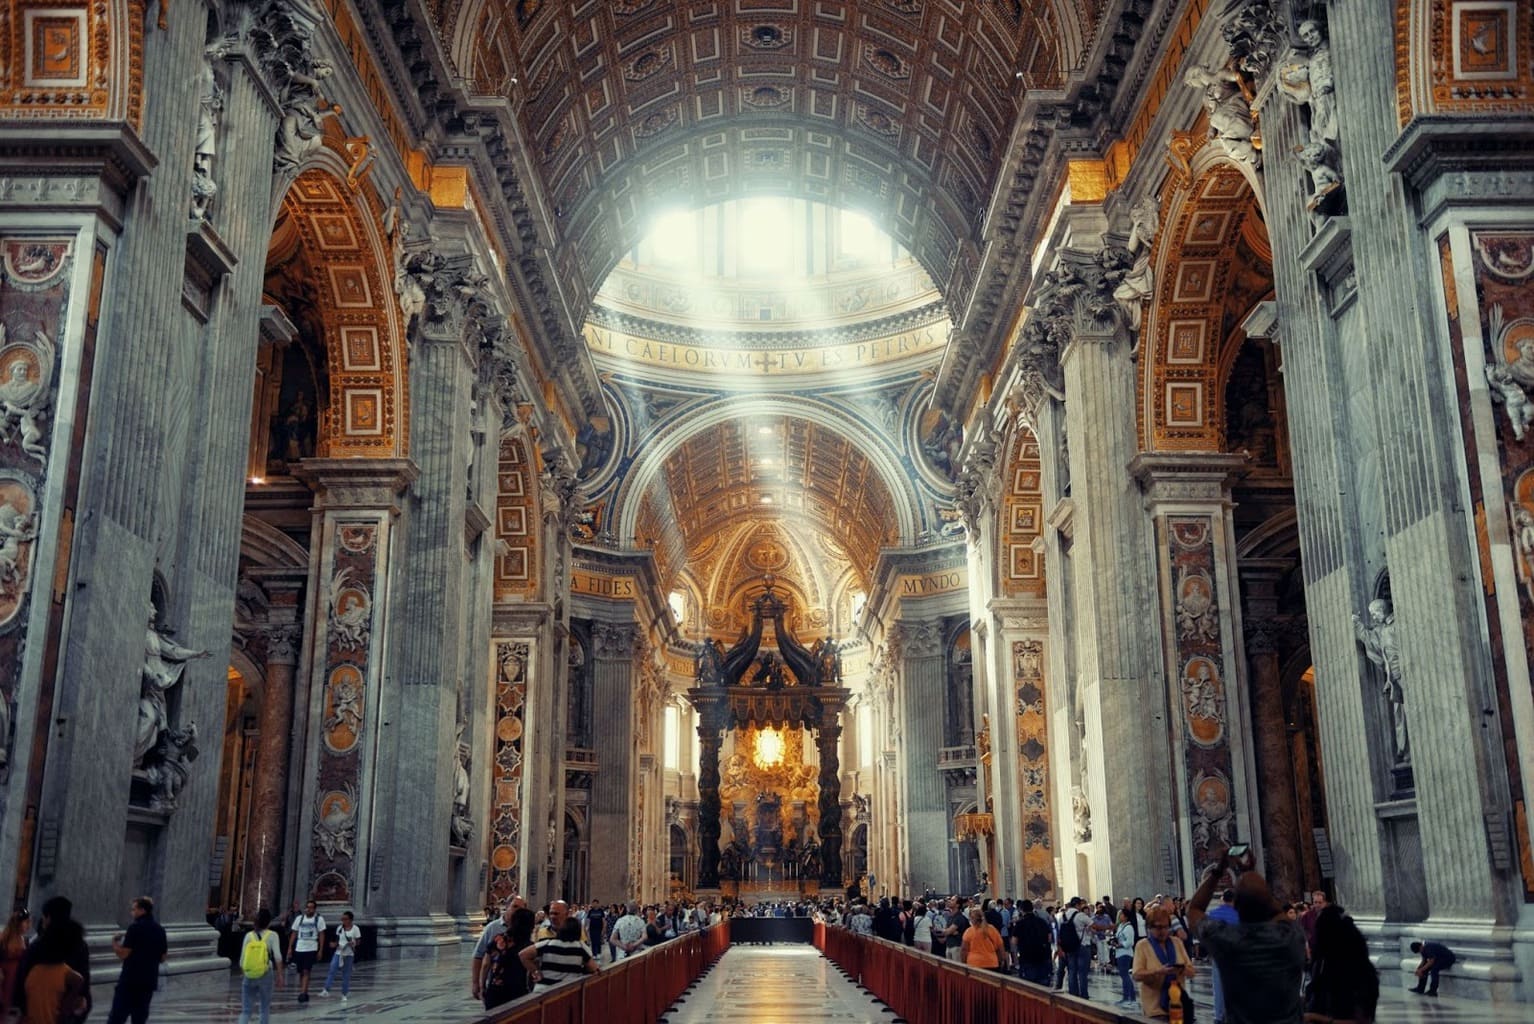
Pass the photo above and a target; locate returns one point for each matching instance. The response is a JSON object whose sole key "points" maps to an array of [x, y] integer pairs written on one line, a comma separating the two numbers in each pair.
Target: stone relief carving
{"points": [[25, 392], [917, 639], [281, 39], [335, 826], [210, 114], [1307, 80], [1140, 280], [1254, 32], [1197, 611], [18, 531], [351, 611], [1081, 816], [1512, 379], [1231, 124], [612, 643], [1522, 522], [445, 291], [1378, 638]]}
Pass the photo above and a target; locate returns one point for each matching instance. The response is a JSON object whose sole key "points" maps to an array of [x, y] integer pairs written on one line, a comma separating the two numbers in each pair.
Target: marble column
{"points": [[1119, 686], [709, 741], [1283, 844], [265, 837], [828, 736], [1188, 495], [612, 787], [920, 664]]}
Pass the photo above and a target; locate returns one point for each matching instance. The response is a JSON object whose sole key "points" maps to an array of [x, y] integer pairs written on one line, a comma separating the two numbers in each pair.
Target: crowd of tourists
{"points": [[1267, 962]]}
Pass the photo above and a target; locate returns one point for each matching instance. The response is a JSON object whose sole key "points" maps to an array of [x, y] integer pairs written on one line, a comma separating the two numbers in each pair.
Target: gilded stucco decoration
{"points": [[1464, 57], [73, 61], [1022, 516], [350, 284], [1214, 265], [652, 101], [516, 523]]}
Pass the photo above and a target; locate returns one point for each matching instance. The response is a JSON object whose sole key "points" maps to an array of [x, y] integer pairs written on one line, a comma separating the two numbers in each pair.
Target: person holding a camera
{"points": [[1261, 957]]}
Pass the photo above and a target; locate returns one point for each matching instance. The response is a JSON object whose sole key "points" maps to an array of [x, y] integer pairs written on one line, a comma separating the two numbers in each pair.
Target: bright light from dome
{"points": [[861, 240], [673, 239], [766, 235], [769, 748]]}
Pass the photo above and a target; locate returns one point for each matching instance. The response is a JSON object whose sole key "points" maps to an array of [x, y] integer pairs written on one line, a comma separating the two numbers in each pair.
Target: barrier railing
{"points": [[636, 990], [926, 988]]}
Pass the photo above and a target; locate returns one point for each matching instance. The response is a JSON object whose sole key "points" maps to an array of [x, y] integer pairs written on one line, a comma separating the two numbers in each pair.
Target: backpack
{"points": [[1070, 939], [255, 956]]}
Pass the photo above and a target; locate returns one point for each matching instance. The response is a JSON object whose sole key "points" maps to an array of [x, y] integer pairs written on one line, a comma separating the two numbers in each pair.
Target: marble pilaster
{"points": [[612, 790], [357, 505], [1119, 688], [927, 826], [1188, 495]]}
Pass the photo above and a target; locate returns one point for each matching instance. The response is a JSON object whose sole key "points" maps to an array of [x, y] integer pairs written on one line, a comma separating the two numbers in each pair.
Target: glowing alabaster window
{"points": [[678, 602], [859, 599], [673, 737], [769, 748], [859, 240], [865, 733]]}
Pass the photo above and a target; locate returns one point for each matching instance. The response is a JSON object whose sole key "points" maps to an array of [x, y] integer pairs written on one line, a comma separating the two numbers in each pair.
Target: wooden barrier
{"points": [[929, 989], [636, 990]]}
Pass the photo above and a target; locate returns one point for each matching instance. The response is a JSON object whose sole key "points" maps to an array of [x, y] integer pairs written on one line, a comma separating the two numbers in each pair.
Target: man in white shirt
{"points": [[629, 932], [347, 937], [305, 944]]}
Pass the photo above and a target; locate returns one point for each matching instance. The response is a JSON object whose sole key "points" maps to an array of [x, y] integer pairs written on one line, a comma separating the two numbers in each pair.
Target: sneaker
{"points": [[344, 998], [324, 992]]}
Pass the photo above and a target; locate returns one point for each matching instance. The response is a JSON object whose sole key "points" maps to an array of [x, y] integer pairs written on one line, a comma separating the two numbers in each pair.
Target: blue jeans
{"points": [[1077, 965], [344, 963], [1124, 965], [257, 990], [1219, 992], [1037, 972]]}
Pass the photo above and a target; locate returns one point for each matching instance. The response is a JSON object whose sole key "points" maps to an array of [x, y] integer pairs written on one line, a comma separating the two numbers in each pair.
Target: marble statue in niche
{"points": [[1378, 637], [1081, 816], [210, 114], [461, 825], [1307, 79], [164, 662], [1231, 124]]}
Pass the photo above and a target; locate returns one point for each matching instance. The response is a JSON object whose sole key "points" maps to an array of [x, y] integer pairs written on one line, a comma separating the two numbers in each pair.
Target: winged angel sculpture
{"points": [[1512, 379]]}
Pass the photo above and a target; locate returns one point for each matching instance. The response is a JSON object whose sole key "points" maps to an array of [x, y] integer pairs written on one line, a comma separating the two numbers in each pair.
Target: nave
{"points": [[778, 984]]}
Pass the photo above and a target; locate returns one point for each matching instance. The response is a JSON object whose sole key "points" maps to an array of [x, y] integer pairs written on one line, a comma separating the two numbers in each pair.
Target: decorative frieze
{"points": [[512, 661]]}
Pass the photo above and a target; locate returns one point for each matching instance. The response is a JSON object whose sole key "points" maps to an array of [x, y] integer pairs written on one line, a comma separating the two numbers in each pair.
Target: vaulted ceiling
{"points": [[789, 471], [903, 108]]}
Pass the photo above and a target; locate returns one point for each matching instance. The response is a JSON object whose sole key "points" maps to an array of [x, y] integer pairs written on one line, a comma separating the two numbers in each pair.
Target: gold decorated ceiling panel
{"points": [[896, 106]]}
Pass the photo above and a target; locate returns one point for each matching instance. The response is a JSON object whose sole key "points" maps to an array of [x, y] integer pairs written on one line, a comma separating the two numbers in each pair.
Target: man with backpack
{"points": [[306, 942], [1075, 926], [260, 958]]}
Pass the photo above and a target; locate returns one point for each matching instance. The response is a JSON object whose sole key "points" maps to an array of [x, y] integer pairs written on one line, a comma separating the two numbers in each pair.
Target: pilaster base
{"points": [[402, 938], [193, 950]]}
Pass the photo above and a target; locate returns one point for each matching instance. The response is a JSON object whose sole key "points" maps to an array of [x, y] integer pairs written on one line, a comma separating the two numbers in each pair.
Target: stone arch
{"points": [[628, 499], [517, 522], [1020, 517], [338, 224], [1213, 263]]}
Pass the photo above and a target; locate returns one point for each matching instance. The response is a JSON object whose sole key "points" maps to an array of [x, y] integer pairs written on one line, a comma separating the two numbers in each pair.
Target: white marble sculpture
{"points": [[1081, 816], [304, 109], [1378, 638], [16, 530], [350, 612], [1306, 79], [461, 825], [25, 393], [1140, 280], [210, 112], [1231, 124], [164, 662], [1512, 380]]}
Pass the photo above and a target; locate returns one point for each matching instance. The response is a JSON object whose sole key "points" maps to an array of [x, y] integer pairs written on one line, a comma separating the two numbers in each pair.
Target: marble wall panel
{"points": [[1035, 826], [511, 665]]}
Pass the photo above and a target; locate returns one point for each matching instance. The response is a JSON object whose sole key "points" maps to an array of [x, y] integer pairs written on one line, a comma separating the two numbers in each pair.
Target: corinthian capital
{"points": [[282, 640], [916, 639], [613, 642], [446, 294]]}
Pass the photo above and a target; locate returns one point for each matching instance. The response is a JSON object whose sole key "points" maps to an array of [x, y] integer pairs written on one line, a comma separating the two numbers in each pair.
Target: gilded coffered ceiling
{"points": [[903, 108], [800, 476]]}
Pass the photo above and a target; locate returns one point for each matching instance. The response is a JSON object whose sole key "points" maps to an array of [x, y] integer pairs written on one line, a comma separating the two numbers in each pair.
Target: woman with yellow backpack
{"points": [[260, 962]]}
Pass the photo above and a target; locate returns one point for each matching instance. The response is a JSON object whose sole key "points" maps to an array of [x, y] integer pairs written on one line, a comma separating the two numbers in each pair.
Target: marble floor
{"points": [[753, 985]]}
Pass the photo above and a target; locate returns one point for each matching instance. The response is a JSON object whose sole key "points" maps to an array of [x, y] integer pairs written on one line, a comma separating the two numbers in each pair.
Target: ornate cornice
{"points": [[933, 312]]}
